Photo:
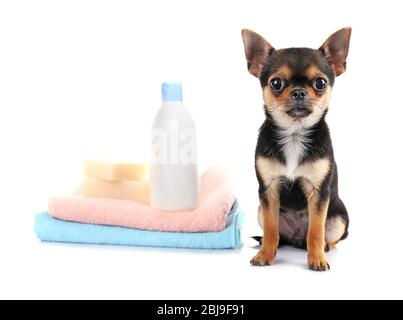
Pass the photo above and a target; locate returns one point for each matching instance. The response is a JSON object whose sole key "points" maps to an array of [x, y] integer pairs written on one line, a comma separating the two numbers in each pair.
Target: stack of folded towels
{"points": [[215, 224]]}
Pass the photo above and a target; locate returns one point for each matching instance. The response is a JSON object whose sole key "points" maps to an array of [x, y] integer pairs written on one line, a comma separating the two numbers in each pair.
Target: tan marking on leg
{"points": [[271, 236], [313, 178], [316, 234], [268, 216], [260, 218]]}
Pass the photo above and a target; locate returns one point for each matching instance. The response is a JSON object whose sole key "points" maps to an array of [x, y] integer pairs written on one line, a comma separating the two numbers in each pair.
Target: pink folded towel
{"points": [[216, 200]]}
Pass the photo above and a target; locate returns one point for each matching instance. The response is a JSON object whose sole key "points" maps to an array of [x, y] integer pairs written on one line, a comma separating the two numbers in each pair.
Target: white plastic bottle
{"points": [[174, 180]]}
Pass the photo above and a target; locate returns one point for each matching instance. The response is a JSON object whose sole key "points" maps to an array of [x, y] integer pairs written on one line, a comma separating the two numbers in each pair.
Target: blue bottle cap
{"points": [[171, 91]]}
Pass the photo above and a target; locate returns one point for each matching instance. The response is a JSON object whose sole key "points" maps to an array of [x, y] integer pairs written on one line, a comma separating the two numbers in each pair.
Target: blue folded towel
{"points": [[51, 229]]}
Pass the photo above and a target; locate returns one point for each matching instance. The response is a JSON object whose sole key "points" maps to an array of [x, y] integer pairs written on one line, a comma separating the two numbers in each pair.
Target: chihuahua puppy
{"points": [[295, 165]]}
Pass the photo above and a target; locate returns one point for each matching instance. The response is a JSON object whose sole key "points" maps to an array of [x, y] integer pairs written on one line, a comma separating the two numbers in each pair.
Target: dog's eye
{"points": [[277, 84], [320, 84]]}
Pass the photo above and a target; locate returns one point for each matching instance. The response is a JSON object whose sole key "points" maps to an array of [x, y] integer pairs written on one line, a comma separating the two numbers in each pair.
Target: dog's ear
{"points": [[335, 49], [257, 50]]}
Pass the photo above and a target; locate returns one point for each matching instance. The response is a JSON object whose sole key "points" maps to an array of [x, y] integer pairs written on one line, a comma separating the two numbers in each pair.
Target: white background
{"points": [[81, 79]]}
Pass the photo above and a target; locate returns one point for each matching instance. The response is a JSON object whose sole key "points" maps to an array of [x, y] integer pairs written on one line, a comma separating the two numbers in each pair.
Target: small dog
{"points": [[295, 166]]}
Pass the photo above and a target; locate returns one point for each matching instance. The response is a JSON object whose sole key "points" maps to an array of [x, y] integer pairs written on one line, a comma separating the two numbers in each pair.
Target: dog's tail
{"points": [[282, 242], [258, 239]]}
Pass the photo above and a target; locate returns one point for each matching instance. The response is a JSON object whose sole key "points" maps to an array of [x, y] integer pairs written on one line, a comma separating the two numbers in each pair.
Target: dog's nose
{"points": [[299, 94]]}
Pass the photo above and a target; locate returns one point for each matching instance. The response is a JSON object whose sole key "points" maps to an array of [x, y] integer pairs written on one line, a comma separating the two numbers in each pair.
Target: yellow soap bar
{"points": [[133, 190], [115, 171]]}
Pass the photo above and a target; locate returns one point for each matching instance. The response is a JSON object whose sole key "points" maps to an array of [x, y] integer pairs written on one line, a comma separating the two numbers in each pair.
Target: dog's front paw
{"points": [[318, 263], [264, 258]]}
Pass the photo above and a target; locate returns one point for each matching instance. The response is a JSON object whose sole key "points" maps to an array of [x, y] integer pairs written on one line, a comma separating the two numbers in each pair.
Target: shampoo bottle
{"points": [[174, 180]]}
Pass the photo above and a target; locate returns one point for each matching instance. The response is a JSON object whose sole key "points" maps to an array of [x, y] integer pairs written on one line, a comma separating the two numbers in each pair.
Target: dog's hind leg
{"points": [[337, 223]]}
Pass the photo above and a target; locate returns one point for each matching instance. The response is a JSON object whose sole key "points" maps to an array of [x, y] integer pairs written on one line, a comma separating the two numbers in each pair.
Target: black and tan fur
{"points": [[295, 165]]}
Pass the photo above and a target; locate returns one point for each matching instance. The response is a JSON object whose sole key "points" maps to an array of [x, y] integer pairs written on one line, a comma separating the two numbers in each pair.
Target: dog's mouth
{"points": [[298, 112]]}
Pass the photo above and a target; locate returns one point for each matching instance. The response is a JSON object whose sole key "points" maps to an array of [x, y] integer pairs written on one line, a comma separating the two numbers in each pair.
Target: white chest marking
{"points": [[293, 140]]}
